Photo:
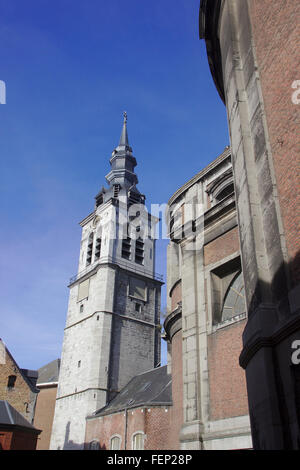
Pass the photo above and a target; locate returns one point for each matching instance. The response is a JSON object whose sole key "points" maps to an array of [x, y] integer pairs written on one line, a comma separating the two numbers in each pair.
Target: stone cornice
{"points": [[252, 347], [209, 15], [172, 323], [226, 153]]}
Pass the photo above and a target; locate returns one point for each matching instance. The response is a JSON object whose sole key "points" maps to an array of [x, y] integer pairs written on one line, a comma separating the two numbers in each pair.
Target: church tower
{"points": [[112, 330]]}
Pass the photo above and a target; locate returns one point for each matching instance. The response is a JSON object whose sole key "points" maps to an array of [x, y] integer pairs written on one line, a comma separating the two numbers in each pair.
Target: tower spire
{"points": [[124, 136]]}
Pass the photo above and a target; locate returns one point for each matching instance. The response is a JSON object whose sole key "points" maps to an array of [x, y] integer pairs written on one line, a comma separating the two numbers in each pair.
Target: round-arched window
{"points": [[234, 301]]}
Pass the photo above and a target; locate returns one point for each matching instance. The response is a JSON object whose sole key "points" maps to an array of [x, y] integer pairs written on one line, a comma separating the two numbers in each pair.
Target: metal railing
{"points": [[118, 262]]}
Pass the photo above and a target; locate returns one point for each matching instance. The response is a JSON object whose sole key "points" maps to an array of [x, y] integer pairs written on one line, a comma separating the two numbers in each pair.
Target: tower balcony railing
{"points": [[129, 266]]}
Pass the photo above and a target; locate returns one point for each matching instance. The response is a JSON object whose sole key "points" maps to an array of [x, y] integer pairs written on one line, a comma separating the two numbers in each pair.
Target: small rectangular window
{"points": [[138, 307], [79, 363], [11, 381]]}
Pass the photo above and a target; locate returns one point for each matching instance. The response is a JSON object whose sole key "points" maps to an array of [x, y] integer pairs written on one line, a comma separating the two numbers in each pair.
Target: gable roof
{"points": [[49, 373], [27, 375], [146, 389], [9, 416]]}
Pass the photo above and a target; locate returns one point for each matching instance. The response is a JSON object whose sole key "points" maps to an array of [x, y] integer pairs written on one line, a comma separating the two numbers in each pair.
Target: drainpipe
{"points": [[126, 423]]}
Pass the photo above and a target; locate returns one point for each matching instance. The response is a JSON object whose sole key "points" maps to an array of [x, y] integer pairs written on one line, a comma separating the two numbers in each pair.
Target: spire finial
{"points": [[124, 135]]}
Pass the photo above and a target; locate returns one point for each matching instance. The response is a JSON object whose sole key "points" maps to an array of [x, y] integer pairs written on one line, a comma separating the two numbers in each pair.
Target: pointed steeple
{"points": [[122, 161], [124, 136], [122, 178]]}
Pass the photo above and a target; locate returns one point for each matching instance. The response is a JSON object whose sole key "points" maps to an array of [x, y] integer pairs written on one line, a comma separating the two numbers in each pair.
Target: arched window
{"points": [[115, 443], [138, 441], [94, 445], [234, 300], [225, 191]]}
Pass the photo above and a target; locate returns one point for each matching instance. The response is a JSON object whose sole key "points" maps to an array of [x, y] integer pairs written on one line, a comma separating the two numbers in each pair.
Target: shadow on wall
{"points": [[286, 278], [71, 445], [268, 339]]}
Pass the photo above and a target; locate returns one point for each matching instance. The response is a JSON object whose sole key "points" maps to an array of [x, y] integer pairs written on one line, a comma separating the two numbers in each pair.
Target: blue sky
{"points": [[71, 67]]}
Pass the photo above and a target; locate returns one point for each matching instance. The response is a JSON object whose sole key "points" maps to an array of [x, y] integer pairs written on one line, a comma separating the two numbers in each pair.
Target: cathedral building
{"points": [[207, 313], [253, 53]]}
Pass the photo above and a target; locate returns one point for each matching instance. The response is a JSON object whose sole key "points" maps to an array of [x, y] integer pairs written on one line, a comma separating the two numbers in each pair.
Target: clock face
{"points": [[96, 220]]}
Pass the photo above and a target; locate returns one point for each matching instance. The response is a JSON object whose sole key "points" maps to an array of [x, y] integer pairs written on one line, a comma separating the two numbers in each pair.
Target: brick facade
{"points": [[17, 440], [227, 382], [44, 413], [153, 422], [252, 48], [221, 247]]}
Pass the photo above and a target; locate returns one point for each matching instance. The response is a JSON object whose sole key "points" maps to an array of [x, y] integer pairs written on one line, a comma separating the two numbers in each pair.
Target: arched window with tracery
{"points": [[234, 303]]}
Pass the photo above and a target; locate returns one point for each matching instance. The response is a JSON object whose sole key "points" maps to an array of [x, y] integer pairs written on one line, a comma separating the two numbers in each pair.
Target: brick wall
{"points": [[227, 383], [44, 413], [221, 247], [277, 52], [152, 421]]}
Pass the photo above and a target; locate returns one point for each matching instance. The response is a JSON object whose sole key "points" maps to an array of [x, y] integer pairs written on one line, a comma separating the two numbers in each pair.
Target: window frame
{"points": [[115, 436], [134, 435]]}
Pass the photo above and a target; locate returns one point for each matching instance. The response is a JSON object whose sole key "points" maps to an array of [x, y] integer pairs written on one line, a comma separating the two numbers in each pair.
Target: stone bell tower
{"points": [[112, 330]]}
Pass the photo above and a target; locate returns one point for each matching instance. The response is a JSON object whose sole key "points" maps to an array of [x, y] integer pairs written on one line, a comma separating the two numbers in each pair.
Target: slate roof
{"points": [[9, 416], [146, 389], [49, 373]]}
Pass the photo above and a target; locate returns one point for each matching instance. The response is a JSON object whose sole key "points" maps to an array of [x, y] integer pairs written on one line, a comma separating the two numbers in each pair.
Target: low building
{"points": [[47, 384], [16, 433], [138, 418]]}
